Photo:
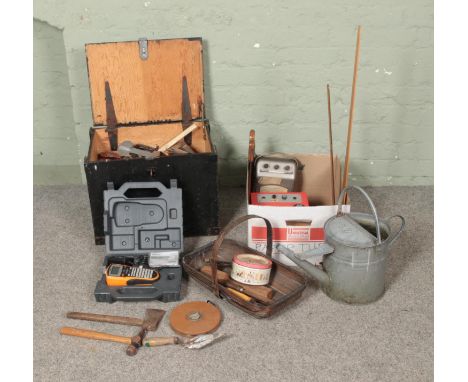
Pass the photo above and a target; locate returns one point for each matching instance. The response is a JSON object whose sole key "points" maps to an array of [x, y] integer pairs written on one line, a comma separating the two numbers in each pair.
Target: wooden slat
{"points": [[150, 90], [315, 177]]}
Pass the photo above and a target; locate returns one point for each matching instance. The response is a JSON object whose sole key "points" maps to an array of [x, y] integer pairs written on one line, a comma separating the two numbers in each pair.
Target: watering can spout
{"points": [[313, 271]]}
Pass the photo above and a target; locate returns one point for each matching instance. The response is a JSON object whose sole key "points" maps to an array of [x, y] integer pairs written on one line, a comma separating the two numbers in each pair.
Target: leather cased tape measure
{"points": [[195, 318]]}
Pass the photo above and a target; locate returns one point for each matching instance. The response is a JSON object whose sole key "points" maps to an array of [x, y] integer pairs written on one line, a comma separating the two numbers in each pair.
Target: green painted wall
{"points": [[267, 65], [55, 144]]}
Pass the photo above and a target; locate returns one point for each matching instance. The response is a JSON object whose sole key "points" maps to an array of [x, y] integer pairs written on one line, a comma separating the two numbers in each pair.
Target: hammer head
{"points": [[152, 319]]}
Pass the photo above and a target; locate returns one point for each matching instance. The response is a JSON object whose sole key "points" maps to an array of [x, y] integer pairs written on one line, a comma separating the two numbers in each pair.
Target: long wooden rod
{"points": [[351, 113], [331, 145]]}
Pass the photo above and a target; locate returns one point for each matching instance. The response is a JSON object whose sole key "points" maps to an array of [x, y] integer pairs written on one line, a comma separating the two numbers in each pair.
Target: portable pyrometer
{"points": [[275, 173]]}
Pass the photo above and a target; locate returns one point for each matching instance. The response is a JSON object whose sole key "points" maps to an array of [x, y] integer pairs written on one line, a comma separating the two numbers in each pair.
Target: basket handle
{"points": [[220, 239]]}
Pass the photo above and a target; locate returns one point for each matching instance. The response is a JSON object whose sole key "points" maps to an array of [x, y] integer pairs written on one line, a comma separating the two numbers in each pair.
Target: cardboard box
{"points": [[298, 228]]}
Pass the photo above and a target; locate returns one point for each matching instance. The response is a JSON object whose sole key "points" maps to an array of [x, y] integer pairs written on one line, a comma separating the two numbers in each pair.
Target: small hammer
{"points": [[149, 323]]}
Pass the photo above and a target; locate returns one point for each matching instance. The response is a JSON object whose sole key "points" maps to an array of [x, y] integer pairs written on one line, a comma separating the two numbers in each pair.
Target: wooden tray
{"points": [[287, 283]]}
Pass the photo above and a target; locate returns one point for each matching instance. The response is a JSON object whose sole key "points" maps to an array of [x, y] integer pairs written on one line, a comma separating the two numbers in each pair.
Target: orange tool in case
{"points": [[122, 275]]}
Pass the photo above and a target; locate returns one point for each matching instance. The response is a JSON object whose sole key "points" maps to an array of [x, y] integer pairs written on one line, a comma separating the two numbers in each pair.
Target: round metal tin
{"points": [[251, 269]]}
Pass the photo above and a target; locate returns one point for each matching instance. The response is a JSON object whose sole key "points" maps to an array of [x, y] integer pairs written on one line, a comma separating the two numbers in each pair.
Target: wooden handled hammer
{"points": [[149, 323]]}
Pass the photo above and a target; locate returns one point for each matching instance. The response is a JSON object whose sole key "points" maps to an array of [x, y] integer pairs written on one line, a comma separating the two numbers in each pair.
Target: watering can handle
{"points": [[395, 235], [371, 204]]}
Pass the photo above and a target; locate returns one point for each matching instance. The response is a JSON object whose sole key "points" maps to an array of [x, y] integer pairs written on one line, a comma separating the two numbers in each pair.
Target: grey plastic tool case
{"points": [[139, 218]]}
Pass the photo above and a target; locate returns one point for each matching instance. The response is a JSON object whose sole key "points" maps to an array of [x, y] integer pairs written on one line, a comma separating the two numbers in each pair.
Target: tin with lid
{"points": [[251, 269]]}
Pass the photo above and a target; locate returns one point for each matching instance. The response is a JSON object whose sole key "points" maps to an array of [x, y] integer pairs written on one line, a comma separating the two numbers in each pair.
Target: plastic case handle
{"points": [[136, 185], [148, 292]]}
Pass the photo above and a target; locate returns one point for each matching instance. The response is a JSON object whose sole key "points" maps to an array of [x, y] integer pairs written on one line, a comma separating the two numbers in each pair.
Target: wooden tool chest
{"points": [[147, 92]]}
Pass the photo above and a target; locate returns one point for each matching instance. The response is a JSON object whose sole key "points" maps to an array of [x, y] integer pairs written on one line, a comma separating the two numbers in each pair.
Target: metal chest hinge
{"points": [[111, 118], [186, 110], [143, 45]]}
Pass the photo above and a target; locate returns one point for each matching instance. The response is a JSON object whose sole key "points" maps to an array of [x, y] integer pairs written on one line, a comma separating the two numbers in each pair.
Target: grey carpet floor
{"points": [[316, 339]]}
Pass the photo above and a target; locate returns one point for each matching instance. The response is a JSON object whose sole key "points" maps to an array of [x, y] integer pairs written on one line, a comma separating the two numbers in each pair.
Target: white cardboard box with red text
{"points": [[299, 228]]}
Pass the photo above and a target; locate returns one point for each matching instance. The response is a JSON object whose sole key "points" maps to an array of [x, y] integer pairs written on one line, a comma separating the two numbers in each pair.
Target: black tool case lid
{"points": [[146, 80], [143, 217]]}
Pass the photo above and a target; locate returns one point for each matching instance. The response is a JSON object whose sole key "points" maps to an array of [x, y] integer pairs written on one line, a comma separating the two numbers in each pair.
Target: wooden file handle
{"points": [[93, 335], [261, 294], [258, 292], [160, 341], [220, 275], [241, 295], [105, 318]]}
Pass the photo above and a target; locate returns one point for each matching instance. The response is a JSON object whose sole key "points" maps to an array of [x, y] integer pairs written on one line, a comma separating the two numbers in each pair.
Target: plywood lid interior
{"points": [[146, 90]]}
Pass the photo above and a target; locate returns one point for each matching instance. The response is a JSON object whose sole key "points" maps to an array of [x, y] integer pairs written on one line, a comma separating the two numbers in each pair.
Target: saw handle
{"points": [[93, 335]]}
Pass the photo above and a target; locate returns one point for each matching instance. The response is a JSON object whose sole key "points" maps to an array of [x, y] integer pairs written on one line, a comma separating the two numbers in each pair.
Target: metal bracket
{"points": [[143, 45], [111, 119], [186, 110]]}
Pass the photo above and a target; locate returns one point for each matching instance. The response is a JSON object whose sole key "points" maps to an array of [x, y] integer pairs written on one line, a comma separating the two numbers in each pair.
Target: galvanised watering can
{"points": [[356, 249]]}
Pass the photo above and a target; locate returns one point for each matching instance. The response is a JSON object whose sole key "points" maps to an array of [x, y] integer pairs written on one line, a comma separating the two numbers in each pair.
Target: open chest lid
{"points": [[148, 81], [143, 217]]}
